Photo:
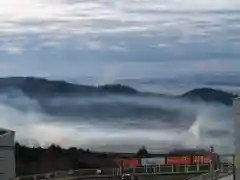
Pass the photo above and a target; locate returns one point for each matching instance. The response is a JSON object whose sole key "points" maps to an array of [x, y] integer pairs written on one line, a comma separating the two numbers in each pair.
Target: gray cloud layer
{"points": [[108, 40]]}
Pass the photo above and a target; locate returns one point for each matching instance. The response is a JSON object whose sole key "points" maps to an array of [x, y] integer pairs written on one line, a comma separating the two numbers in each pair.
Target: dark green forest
{"points": [[36, 160]]}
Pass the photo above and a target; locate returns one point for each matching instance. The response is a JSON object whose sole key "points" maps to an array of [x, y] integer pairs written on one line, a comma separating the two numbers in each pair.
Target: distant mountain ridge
{"points": [[210, 95], [41, 86], [33, 86]]}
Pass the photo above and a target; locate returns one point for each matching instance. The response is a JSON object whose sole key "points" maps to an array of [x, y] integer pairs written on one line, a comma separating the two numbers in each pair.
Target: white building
{"points": [[236, 106], [7, 155]]}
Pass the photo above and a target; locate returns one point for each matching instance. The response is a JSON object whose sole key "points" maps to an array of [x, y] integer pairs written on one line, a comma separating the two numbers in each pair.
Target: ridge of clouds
{"points": [[59, 15], [66, 31]]}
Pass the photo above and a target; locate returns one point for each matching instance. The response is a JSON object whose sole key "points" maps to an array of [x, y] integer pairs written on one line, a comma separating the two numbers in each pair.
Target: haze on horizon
{"points": [[144, 44]]}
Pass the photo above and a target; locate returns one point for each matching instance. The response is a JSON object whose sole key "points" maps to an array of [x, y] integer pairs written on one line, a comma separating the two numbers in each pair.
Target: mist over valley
{"points": [[114, 117]]}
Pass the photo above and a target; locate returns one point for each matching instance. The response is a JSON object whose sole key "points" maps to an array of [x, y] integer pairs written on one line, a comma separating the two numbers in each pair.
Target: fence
{"points": [[137, 171], [168, 169], [223, 171]]}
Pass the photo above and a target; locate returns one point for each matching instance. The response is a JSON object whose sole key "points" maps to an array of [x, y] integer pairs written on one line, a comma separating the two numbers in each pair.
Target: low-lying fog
{"points": [[118, 123]]}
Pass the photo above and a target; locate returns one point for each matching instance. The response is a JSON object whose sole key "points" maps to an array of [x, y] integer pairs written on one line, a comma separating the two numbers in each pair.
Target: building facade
{"points": [[236, 106], [7, 155]]}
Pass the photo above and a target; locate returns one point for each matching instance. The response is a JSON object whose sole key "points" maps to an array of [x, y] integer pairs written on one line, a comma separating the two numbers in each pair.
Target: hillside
{"points": [[210, 95], [39, 86], [35, 87]]}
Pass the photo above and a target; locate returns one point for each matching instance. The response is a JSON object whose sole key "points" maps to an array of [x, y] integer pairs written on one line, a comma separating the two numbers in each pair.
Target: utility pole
{"points": [[211, 170], [234, 168], [236, 108]]}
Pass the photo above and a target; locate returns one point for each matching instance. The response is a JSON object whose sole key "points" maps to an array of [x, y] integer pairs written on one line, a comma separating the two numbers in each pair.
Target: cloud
{"points": [[50, 44], [95, 45], [97, 31], [160, 45], [82, 16], [12, 49], [118, 48], [93, 122]]}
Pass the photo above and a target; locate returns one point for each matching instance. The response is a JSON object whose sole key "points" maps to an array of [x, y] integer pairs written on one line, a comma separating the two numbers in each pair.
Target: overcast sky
{"points": [[106, 39]]}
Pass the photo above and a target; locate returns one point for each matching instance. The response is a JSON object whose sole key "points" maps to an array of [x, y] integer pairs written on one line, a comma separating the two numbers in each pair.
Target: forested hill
{"points": [[210, 95], [32, 86], [40, 86]]}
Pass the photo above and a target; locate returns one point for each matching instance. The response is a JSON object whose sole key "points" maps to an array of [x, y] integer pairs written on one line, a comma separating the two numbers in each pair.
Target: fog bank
{"points": [[117, 123]]}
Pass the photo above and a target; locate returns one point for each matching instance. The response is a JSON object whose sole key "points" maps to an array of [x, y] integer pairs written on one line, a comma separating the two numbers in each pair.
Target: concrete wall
{"points": [[7, 156], [236, 106]]}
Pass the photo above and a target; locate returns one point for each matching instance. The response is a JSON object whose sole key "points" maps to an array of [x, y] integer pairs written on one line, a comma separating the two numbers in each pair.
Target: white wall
{"points": [[7, 156], [236, 106]]}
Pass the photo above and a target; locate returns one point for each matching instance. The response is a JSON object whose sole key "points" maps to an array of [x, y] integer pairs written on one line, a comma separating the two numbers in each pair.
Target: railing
{"points": [[223, 171], [137, 171], [168, 169]]}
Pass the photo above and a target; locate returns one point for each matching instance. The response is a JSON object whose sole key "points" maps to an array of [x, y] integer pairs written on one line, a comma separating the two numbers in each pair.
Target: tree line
{"points": [[36, 160]]}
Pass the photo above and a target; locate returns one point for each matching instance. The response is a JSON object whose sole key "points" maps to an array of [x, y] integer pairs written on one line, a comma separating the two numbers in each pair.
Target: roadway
{"points": [[156, 177], [153, 177], [160, 177], [228, 178], [167, 177]]}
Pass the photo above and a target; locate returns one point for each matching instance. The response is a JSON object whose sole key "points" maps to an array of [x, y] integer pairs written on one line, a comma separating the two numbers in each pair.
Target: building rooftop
{"points": [[191, 151], [2, 132]]}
